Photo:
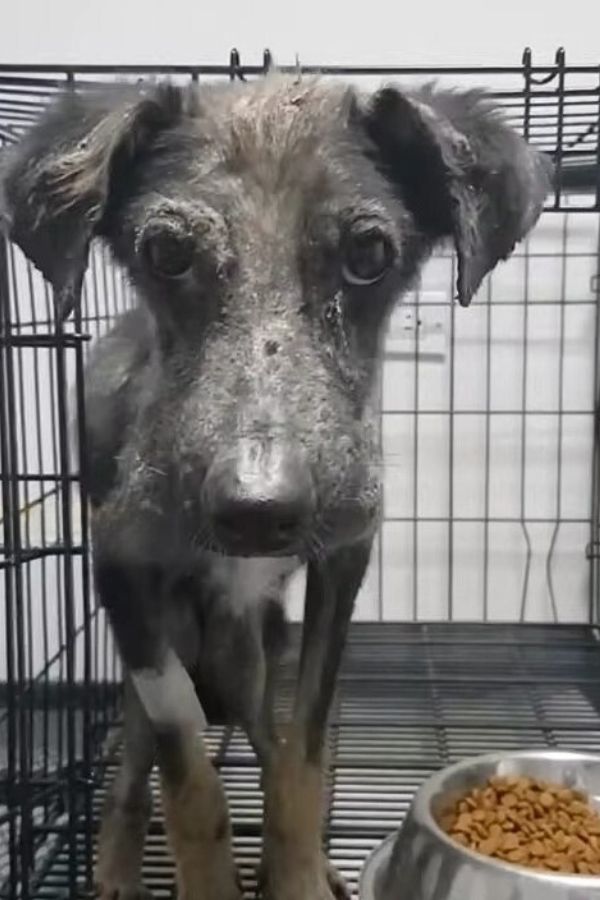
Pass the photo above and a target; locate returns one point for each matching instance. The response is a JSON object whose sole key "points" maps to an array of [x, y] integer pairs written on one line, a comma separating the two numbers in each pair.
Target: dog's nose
{"points": [[260, 499]]}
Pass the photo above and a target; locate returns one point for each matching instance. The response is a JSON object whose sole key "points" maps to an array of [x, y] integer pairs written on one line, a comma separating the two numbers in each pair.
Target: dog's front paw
{"points": [[211, 882], [107, 889], [199, 893], [301, 882]]}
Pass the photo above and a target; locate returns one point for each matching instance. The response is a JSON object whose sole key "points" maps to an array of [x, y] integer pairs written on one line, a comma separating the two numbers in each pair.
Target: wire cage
{"points": [[485, 572]]}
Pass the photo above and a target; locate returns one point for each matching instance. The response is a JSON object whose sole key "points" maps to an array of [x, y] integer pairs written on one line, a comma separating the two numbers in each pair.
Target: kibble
{"points": [[530, 823]]}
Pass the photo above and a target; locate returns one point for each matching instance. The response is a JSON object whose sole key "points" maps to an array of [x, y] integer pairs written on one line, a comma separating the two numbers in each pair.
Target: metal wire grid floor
{"points": [[411, 698]]}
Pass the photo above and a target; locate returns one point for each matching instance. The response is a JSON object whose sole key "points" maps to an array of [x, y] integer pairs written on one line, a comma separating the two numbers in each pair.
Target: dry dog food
{"points": [[528, 822]]}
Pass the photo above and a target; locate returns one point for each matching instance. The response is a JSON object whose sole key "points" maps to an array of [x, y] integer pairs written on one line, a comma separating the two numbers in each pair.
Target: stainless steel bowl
{"points": [[420, 862]]}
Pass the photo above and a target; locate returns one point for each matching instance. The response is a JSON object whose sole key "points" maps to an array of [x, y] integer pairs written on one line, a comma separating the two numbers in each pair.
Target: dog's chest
{"points": [[242, 583]]}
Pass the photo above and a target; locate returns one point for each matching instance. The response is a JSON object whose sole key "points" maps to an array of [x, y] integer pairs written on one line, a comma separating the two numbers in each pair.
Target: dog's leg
{"points": [[127, 810], [260, 725], [197, 820], [293, 864]]}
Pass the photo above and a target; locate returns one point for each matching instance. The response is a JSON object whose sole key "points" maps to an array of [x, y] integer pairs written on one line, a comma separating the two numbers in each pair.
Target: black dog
{"points": [[232, 424]]}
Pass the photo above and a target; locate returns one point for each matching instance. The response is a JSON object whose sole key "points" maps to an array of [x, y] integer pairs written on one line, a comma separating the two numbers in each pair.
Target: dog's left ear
{"points": [[462, 172], [61, 181]]}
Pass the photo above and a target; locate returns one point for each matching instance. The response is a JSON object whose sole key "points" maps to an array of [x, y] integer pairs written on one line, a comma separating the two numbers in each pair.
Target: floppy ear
{"points": [[463, 173], [59, 183]]}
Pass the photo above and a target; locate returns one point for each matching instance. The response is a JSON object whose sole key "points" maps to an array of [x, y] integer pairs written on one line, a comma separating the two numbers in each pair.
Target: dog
{"points": [[232, 419]]}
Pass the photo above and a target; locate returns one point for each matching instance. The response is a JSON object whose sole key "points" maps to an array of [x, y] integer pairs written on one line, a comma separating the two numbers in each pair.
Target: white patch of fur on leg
{"points": [[168, 694], [246, 581]]}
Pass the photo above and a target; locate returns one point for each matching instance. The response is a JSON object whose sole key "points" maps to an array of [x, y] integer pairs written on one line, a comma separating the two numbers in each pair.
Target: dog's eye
{"points": [[168, 249], [367, 257]]}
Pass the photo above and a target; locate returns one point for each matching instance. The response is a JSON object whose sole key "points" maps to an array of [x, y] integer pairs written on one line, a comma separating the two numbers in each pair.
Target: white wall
{"points": [[383, 31]]}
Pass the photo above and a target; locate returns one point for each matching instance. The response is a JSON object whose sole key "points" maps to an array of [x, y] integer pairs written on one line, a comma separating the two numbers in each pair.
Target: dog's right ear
{"points": [[61, 180]]}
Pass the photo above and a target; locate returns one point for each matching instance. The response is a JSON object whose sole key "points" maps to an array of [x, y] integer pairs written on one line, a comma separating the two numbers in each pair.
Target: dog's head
{"points": [[269, 228]]}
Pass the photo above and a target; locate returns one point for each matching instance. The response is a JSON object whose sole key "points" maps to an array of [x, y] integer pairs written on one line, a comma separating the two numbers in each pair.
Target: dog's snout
{"points": [[260, 499]]}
